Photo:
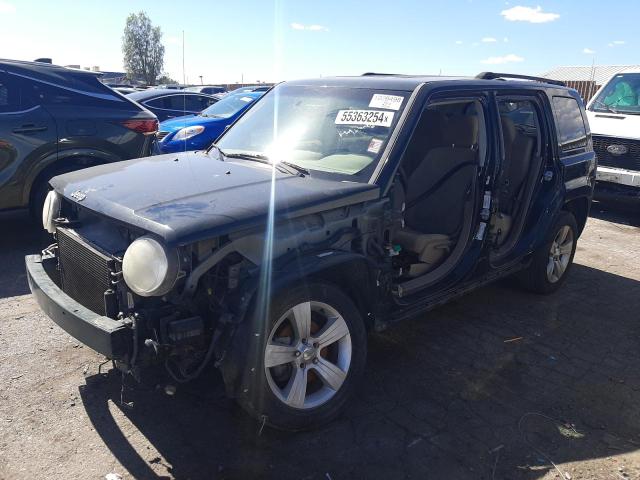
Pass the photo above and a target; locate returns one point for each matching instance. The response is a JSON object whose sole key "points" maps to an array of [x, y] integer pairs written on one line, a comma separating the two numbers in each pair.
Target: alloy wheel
{"points": [[560, 254], [308, 355]]}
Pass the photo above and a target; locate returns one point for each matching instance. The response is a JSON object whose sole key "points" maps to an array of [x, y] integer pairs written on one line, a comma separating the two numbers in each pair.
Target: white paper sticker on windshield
{"points": [[390, 102], [364, 117], [246, 99], [374, 145]]}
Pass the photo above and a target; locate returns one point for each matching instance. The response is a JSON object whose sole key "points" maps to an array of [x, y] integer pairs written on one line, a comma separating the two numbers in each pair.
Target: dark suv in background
{"points": [[55, 120]]}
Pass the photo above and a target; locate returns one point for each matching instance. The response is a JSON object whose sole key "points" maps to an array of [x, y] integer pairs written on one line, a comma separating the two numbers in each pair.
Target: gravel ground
{"points": [[445, 397]]}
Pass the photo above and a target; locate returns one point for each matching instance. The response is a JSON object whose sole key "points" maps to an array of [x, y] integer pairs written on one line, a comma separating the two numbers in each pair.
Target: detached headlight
{"points": [[50, 211], [188, 132], [149, 268]]}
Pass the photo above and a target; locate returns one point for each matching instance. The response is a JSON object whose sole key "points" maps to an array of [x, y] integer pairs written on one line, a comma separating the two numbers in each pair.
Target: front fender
{"points": [[319, 265]]}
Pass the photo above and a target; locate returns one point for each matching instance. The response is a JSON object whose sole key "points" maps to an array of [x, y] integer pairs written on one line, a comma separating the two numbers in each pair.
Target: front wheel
{"points": [[551, 262], [304, 363]]}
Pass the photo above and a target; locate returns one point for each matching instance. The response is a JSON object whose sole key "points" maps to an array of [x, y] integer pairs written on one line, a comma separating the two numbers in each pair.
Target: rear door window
{"points": [[572, 133], [196, 103], [9, 95]]}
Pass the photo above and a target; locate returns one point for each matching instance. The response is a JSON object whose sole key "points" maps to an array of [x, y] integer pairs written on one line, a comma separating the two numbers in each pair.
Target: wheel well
{"points": [[579, 207], [354, 279], [68, 164]]}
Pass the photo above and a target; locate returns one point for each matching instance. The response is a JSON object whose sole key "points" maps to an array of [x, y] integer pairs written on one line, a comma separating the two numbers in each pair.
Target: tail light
{"points": [[144, 126]]}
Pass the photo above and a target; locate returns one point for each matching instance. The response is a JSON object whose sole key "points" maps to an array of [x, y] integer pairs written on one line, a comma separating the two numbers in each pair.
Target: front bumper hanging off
{"points": [[112, 338]]}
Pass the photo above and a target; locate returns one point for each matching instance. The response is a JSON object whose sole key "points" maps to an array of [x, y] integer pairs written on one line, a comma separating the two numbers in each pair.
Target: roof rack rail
{"points": [[495, 76]]}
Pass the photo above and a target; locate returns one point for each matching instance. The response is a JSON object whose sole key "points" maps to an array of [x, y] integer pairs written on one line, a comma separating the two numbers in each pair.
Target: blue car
{"points": [[197, 132]]}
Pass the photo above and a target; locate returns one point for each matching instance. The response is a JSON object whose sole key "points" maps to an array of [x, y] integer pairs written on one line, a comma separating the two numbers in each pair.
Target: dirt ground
{"points": [[496, 385]]}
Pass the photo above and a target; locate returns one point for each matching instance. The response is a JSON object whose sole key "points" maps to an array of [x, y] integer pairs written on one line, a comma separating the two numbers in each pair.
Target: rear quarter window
{"points": [[572, 132], [9, 95]]}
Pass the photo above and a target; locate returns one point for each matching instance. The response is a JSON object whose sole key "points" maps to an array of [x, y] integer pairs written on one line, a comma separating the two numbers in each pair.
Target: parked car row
{"points": [[55, 120]]}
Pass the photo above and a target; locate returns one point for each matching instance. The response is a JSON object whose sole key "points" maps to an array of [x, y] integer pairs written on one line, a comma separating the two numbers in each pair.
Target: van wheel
{"points": [[552, 262], [303, 365]]}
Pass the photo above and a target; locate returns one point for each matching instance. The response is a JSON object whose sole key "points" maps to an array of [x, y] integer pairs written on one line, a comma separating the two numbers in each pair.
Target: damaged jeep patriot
{"points": [[332, 207]]}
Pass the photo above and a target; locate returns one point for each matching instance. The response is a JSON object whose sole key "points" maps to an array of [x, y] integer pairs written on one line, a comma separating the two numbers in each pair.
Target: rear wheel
{"points": [[38, 194], [552, 262], [304, 367]]}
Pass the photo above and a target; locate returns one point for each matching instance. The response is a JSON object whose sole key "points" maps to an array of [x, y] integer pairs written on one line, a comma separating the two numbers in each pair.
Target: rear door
{"points": [[28, 135], [575, 149]]}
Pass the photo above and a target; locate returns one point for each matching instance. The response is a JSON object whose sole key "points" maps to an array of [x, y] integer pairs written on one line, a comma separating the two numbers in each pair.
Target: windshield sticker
{"points": [[374, 145], [246, 99], [364, 117], [390, 102]]}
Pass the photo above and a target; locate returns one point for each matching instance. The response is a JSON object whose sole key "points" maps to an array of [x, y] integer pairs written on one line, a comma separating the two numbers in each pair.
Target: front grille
{"points": [[161, 135], [85, 272], [629, 160]]}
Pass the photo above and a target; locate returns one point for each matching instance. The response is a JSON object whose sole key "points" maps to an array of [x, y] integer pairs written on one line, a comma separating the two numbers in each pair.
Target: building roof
{"points": [[599, 73]]}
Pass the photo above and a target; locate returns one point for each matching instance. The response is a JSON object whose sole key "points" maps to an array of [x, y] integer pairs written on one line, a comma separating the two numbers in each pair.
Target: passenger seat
{"points": [[436, 194]]}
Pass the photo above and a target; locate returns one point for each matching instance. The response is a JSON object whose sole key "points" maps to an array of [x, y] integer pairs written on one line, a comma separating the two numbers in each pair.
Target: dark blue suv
{"points": [[55, 120], [331, 208]]}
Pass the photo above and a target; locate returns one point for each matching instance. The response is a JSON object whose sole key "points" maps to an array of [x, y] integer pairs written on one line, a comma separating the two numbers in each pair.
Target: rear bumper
{"points": [[112, 338]]}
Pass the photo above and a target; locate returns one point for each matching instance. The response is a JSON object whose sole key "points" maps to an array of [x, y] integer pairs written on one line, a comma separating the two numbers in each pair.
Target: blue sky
{"points": [[284, 39]]}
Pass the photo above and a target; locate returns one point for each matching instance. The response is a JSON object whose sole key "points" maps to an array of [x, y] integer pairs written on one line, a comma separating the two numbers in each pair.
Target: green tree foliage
{"points": [[142, 48], [165, 79]]}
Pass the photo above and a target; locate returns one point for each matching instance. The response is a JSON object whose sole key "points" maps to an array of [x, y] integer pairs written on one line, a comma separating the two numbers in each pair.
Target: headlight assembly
{"points": [[50, 211], [188, 132], [149, 268]]}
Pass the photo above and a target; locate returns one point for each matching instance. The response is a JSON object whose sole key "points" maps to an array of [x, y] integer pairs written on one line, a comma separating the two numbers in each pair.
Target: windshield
{"points": [[228, 106], [335, 131], [620, 95]]}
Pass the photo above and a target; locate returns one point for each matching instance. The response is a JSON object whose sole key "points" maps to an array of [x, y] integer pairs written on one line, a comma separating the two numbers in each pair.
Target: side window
{"points": [[9, 95], [174, 102], [207, 102], [572, 133], [155, 103], [177, 102], [49, 95], [196, 103]]}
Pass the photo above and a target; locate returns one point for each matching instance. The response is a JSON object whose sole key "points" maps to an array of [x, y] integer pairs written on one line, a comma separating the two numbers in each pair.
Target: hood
{"points": [[191, 196], [614, 124]]}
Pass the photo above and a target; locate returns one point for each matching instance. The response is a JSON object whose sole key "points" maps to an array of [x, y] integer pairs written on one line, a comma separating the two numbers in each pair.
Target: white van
{"points": [[614, 117]]}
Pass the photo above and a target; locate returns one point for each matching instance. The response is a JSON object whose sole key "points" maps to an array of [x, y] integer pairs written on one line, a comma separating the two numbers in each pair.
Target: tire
{"points": [[41, 187], [552, 261], [294, 385], [36, 202]]}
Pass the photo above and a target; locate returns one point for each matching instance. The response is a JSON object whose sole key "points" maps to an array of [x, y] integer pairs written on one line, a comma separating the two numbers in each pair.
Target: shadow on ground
{"points": [[19, 237], [626, 214], [448, 396]]}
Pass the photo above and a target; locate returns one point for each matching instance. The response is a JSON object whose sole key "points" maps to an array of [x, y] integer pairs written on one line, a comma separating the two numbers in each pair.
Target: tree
{"points": [[142, 48], [165, 79]]}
